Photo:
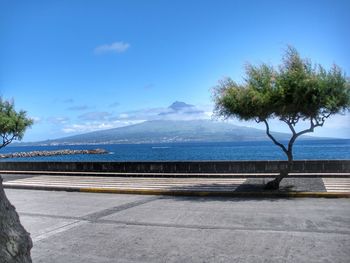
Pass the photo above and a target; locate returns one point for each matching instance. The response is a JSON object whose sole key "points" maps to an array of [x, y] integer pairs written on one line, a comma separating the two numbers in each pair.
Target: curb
{"points": [[267, 194], [178, 175]]}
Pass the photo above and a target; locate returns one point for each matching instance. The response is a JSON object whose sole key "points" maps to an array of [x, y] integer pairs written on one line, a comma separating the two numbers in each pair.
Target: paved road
{"points": [[86, 227]]}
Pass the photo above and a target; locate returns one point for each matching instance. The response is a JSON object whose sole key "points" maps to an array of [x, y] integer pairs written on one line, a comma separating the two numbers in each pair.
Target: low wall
{"points": [[302, 166]]}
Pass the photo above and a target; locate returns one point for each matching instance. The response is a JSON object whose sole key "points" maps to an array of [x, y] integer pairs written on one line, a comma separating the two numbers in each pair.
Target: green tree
{"points": [[15, 242], [297, 91]]}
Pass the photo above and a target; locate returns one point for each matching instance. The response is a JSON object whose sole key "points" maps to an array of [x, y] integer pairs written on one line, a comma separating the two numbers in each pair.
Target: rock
{"points": [[97, 151], [52, 153]]}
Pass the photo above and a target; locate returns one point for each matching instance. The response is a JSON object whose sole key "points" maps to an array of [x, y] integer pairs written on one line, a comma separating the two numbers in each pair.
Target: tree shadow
{"points": [[224, 199], [251, 190]]}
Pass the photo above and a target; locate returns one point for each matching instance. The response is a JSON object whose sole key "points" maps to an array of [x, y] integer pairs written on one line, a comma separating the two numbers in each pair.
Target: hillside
{"points": [[164, 131]]}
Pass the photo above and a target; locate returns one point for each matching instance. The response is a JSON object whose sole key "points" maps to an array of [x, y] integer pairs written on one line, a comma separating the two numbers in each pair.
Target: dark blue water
{"points": [[312, 150]]}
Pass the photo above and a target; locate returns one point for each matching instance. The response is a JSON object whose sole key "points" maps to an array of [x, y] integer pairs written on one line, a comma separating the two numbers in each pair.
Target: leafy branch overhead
{"points": [[12, 124]]}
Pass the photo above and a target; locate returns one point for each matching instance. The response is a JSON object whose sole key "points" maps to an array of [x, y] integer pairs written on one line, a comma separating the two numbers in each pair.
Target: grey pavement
{"points": [[88, 227]]}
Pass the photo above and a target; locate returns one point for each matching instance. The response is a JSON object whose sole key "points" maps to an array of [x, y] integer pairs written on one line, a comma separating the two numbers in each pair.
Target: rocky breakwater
{"points": [[51, 153]]}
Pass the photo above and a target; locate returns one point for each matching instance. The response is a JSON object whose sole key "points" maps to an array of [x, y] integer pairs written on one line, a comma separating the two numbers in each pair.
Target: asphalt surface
{"points": [[87, 227]]}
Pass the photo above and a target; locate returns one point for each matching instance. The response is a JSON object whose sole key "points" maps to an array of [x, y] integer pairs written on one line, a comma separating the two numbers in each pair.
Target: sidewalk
{"points": [[79, 227], [239, 187]]}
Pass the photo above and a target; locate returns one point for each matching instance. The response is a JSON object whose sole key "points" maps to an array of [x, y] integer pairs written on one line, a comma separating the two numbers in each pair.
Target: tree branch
{"points": [[6, 141], [311, 129], [322, 119], [313, 125], [273, 139], [291, 124]]}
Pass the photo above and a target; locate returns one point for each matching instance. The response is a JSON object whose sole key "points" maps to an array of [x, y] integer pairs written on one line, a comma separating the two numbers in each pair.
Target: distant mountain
{"points": [[164, 131], [179, 105]]}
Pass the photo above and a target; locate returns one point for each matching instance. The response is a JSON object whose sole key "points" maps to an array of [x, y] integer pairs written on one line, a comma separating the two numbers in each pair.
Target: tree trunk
{"points": [[275, 183], [15, 241]]}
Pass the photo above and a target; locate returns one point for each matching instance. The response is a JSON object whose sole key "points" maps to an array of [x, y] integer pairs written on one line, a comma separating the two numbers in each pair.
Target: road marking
{"points": [[137, 183], [58, 230], [203, 184], [337, 184]]}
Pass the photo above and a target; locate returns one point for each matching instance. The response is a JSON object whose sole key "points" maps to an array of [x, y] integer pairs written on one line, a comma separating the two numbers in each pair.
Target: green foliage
{"points": [[297, 89], [12, 124]]}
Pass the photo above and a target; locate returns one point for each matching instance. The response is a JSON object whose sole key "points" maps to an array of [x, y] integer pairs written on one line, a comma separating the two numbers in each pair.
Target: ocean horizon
{"points": [[193, 151]]}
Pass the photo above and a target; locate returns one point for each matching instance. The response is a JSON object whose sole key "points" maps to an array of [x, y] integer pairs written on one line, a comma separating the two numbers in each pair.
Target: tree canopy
{"points": [[13, 124], [297, 89]]}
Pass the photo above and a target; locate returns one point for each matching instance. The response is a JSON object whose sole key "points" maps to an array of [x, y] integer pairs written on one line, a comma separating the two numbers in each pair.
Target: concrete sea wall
{"points": [[300, 166]]}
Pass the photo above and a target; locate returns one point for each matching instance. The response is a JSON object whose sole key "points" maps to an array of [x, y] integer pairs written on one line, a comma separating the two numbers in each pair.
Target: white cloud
{"points": [[96, 126], [123, 116], [58, 120], [86, 127], [116, 47], [94, 116], [36, 119], [185, 112], [94, 121]]}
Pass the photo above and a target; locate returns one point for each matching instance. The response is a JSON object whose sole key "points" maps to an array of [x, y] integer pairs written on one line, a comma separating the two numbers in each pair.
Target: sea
{"points": [[257, 150]]}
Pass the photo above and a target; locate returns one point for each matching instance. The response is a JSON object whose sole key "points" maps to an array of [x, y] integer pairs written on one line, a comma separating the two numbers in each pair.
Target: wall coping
{"points": [[260, 166]]}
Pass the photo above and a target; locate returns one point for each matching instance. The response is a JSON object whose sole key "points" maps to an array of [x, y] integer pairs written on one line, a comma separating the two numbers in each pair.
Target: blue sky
{"points": [[78, 66]]}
